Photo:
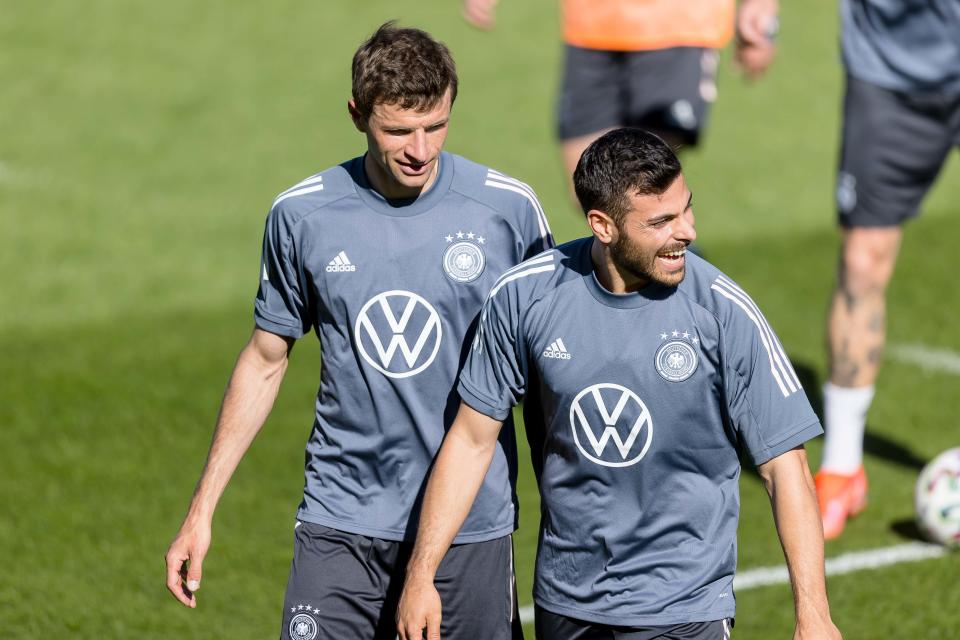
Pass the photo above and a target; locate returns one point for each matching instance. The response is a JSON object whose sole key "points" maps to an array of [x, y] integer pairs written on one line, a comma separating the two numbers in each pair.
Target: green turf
{"points": [[140, 145]]}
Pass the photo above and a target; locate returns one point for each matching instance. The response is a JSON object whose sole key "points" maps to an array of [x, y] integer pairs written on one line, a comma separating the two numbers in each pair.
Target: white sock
{"points": [[845, 418]]}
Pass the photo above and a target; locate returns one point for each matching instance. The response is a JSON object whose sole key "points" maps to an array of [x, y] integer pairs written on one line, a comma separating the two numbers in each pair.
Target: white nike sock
{"points": [[845, 417]]}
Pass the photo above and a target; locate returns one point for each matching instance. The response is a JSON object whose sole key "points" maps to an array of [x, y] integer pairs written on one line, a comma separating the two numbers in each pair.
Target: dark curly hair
{"points": [[620, 163]]}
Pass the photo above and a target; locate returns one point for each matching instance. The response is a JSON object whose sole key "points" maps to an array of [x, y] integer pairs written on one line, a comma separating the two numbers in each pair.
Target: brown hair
{"points": [[406, 67]]}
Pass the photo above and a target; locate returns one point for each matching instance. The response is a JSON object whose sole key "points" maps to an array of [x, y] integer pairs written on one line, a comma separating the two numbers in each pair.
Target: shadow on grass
{"points": [[880, 446], [907, 529]]}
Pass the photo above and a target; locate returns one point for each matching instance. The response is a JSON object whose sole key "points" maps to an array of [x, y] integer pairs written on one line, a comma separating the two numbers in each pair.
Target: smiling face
{"points": [[652, 239], [403, 146]]}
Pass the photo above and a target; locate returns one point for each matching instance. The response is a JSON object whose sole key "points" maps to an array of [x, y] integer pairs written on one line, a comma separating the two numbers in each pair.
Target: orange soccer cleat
{"points": [[840, 497]]}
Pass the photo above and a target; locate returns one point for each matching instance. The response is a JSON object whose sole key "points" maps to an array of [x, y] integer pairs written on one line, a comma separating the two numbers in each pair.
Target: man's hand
{"points": [[185, 562], [757, 27], [419, 609], [479, 13]]}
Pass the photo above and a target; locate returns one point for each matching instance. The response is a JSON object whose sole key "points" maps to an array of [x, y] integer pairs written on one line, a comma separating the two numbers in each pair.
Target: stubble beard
{"points": [[642, 264]]}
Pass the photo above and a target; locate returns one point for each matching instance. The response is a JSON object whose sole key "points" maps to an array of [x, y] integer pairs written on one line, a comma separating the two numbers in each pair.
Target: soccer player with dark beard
{"points": [[671, 370]]}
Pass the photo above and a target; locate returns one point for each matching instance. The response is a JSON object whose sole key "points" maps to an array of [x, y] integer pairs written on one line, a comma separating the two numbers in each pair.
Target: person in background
{"points": [[901, 118], [647, 63]]}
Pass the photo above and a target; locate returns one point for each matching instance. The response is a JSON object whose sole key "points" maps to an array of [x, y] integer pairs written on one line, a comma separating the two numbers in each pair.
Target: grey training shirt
{"points": [[392, 290], [646, 399], [903, 45]]}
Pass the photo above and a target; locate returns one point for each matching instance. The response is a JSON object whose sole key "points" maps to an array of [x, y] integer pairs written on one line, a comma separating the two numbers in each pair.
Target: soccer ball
{"points": [[937, 499]]}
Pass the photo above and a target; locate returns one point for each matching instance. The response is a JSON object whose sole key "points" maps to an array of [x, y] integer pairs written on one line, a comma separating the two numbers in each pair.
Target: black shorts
{"points": [[894, 145], [667, 91], [553, 626], [344, 585]]}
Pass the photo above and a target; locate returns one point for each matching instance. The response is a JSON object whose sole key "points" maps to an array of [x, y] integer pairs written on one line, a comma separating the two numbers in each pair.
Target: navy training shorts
{"points": [[346, 585]]}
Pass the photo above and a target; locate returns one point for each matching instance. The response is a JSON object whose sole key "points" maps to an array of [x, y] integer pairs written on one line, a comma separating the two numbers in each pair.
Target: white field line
{"points": [[927, 358], [846, 563]]}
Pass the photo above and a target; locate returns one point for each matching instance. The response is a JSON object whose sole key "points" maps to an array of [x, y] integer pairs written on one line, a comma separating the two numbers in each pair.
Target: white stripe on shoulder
{"points": [[297, 192], [783, 360], [773, 368], [520, 274], [501, 181], [540, 259], [498, 180], [540, 264], [544, 258], [787, 387], [318, 177]]}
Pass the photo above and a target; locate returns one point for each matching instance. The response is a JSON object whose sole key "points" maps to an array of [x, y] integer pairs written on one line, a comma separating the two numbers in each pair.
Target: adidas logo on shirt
{"points": [[556, 350], [340, 263]]}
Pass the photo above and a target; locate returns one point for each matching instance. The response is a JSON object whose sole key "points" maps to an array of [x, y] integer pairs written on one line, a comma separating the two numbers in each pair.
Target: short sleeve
{"points": [[764, 397], [492, 380], [282, 301]]}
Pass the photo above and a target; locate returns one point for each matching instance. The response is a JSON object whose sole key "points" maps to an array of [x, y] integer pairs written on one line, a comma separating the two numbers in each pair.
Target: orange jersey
{"points": [[635, 25]]}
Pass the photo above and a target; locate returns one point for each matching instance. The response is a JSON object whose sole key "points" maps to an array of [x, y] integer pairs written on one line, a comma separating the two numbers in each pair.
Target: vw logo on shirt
{"points": [[398, 333], [611, 425]]}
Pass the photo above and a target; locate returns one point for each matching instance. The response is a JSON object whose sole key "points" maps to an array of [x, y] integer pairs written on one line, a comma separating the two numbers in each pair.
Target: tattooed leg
{"points": [[856, 330]]}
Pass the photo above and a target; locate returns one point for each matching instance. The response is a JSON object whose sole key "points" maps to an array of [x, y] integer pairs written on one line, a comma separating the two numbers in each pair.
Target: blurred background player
{"points": [[646, 63], [901, 117], [388, 258]]}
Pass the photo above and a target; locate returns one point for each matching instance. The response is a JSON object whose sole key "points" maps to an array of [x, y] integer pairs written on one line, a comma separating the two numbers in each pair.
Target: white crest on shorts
{"points": [[464, 260], [418, 323], [589, 409], [683, 115], [846, 192], [303, 626]]}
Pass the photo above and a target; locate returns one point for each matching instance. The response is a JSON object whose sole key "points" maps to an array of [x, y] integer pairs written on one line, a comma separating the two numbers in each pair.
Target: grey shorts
{"points": [[344, 585], [553, 626], [894, 145], [667, 91]]}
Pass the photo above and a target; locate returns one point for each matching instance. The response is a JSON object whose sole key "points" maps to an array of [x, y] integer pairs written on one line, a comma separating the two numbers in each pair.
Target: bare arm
{"points": [[246, 403], [456, 477], [793, 499]]}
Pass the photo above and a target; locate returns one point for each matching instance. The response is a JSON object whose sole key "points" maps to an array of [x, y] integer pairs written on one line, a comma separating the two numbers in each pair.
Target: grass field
{"points": [[140, 145]]}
